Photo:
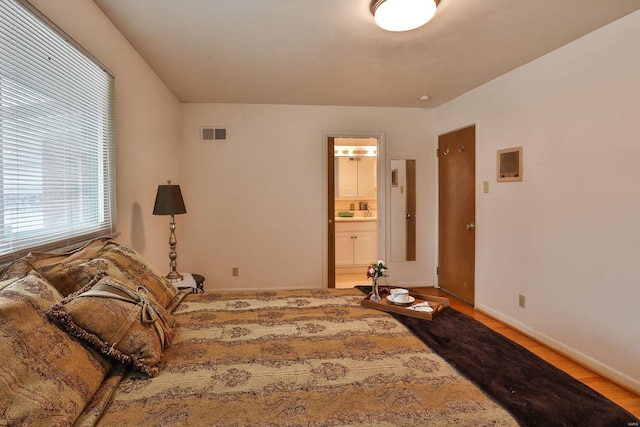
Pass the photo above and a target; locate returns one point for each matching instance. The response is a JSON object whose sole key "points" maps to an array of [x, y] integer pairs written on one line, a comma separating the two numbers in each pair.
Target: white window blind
{"points": [[57, 184]]}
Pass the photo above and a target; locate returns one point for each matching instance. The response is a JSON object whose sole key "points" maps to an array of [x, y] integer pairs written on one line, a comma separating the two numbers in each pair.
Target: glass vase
{"points": [[375, 295]]}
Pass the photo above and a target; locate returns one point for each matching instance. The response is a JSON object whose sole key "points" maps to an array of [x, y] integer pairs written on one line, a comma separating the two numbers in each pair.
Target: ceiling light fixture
{"points": [[402, 15]]}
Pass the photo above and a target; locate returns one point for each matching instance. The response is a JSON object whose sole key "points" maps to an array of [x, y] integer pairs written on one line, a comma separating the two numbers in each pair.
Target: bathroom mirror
{"points": [[403, 210], [355, 177]]}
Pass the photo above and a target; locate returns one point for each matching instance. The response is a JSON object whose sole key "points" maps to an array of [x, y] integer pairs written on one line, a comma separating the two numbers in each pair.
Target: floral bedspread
{"points": [[287, 358]]}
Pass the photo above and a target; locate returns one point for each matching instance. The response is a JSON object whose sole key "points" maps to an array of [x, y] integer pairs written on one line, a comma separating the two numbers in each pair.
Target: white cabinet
{"points": [[365, 247], [357, 177], [367, 177], [344, 248], [355, 244]]}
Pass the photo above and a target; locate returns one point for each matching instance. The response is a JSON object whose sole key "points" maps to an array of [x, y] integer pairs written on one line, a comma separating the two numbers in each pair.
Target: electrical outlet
{"points": [[234, 272], [521, 301]]}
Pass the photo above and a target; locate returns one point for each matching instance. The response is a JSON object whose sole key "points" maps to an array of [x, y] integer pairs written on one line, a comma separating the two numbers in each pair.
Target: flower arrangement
{"points": [[376, 270]]}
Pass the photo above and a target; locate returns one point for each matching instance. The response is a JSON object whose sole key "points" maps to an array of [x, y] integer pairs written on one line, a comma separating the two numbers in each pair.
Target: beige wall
{"points": [[568, 236], [148, 124], [257, 201]]}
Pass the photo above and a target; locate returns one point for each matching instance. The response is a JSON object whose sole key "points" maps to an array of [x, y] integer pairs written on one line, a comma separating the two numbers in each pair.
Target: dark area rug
{"points": [[535, 392]]}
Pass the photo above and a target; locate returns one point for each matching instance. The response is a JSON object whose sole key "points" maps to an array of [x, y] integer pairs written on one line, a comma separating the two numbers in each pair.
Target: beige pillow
{"points": [[43, 260], [16, 270], [46, 376], [88, 251], [117, 261], [126, 324]]}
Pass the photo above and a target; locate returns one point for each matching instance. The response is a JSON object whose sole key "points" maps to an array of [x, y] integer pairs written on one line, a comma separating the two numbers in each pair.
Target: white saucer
{"points": [[409, 301]]}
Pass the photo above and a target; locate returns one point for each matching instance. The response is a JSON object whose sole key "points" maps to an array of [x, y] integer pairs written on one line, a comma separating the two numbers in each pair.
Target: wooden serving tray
{"points": [[437, 303]]}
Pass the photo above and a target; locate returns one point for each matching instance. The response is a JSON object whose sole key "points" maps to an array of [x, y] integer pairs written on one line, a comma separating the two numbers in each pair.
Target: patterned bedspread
{"points": [[292, 358]]}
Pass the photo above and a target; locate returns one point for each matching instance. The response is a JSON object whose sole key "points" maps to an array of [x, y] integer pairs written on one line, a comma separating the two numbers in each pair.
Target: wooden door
{"points": [[331, 213], [456, 228], [410, 216]]}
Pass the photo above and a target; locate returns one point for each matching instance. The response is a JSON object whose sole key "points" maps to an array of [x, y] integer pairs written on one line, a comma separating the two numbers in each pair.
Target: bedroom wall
{"points": [[568, 236], [257, 201], [148, 125]]}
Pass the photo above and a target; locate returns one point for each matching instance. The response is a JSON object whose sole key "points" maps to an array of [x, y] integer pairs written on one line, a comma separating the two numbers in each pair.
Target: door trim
{"points": [[328, 281]]}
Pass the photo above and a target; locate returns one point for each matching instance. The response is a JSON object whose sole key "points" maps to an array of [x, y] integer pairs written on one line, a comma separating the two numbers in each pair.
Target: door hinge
{"points": [[437, 152], [437, 270]]}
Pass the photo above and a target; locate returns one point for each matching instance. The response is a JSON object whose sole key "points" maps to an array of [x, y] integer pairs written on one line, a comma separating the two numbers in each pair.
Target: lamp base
{"points": [[174, 276]]}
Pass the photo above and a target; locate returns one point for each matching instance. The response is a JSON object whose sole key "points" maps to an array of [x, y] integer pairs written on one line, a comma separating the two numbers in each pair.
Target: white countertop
{"points": [[356, 218]]}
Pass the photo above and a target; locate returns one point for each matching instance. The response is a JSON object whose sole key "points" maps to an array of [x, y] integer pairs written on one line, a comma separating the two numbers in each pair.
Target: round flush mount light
{"points": [[402, 15]]}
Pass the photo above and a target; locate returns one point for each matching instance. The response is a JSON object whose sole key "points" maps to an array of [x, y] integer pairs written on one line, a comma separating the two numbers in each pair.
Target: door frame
{"points": [[328, 272], [437, 205]]}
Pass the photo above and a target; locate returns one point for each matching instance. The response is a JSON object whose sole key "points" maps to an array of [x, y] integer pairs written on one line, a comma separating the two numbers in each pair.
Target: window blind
{"points": [[57, 184]]}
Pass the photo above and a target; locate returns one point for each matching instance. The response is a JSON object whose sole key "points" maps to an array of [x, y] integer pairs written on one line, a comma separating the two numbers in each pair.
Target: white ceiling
{"points": [[330, 52]]}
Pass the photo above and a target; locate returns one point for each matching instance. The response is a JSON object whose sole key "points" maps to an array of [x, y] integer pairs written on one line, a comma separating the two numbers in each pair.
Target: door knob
{"points": [[471, 226]]}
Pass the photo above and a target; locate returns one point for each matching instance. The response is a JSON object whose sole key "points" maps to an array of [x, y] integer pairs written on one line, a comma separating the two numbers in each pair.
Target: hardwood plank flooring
{"points": [[621, 396]]}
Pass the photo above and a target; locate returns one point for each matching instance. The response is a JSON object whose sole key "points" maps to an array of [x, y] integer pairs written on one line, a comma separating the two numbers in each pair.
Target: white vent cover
{"points": [[214, 134]]}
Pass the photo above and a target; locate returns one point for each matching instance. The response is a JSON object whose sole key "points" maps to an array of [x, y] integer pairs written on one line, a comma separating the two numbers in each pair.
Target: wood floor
{"points": [[615, 393]]}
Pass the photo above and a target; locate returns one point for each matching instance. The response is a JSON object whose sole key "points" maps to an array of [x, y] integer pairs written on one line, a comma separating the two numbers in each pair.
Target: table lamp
{"points": [[169, 202]]}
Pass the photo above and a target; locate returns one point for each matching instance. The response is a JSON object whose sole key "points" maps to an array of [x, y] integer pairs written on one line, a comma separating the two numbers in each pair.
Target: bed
{"points": [[299, 357], [312, 357]]}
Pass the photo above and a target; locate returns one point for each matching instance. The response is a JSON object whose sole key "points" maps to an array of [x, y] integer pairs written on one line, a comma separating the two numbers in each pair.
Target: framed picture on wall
{"points": [[394, 177], [510, 164]]}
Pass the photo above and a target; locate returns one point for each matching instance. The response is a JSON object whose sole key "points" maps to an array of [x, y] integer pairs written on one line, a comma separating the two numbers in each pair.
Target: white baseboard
{"points": [[581, 358]]}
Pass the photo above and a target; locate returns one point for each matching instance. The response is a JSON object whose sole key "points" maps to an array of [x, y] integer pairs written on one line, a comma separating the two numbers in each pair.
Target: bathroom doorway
{"points": [[354, 207]]}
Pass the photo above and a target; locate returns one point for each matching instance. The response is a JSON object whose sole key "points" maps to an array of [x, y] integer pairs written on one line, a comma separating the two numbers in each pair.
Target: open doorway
{"points": [[354, 206]]}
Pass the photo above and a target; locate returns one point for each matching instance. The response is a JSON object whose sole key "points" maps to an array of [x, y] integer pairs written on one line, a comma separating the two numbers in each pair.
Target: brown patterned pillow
{"points": [[123, 323], [47, 377], [16, 270], [140, 272], [121, 263], [88, 251], [37, 260]]}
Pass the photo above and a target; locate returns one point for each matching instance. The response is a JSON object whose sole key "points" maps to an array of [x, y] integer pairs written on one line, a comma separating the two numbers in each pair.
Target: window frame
{"points": [[101, 155]]}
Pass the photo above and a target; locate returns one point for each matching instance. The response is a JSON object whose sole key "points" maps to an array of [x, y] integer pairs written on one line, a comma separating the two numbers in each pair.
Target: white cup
{"points": [[400, 295]]}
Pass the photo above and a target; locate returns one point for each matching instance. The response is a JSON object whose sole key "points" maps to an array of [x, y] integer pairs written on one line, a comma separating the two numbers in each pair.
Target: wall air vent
{"points": [[214, 134]]}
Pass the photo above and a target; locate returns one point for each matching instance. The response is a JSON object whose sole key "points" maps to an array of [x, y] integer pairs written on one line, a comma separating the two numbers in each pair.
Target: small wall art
{"points": [[510, 164], [394, 177]]}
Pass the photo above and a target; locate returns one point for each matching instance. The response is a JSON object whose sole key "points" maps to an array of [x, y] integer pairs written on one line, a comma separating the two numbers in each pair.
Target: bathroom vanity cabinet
{"points": [[356, 243]]}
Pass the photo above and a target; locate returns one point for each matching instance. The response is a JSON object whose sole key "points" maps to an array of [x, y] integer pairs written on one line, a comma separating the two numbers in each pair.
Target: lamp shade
{"points": [[402, 15], [169, 201]]}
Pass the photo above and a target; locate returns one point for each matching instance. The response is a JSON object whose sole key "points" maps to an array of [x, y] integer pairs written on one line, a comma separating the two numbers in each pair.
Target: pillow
{"points": [[39, 260], [16, 270], [141, 273], [122, 323], [88, 251], [46, 376], [121, 263]]}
